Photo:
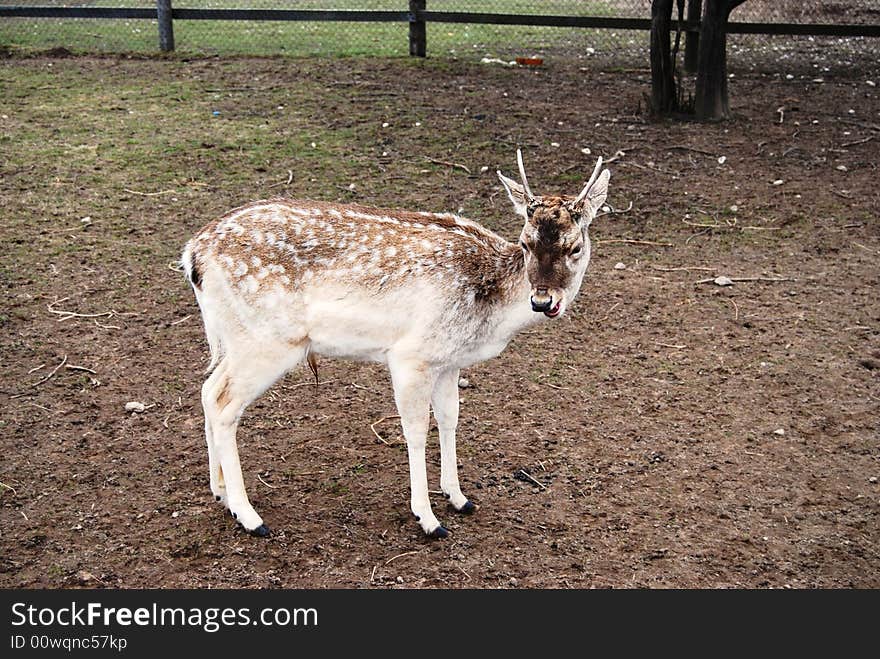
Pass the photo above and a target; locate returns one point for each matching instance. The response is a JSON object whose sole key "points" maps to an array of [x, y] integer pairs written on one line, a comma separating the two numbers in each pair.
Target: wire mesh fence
{"points": [[463, 40]]}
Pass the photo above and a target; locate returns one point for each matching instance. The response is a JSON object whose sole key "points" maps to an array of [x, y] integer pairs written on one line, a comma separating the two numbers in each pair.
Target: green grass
{"points": [[337, 39]]}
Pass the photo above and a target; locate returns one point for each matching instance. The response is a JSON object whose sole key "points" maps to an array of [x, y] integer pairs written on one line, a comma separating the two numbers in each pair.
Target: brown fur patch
{"points": [[224, 397]]}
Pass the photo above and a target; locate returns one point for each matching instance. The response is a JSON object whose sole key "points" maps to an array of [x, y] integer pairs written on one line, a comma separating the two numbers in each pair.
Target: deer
{"points": [[281, 281]]}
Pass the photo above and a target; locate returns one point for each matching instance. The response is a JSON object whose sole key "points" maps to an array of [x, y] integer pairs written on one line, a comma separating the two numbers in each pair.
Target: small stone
{"points": [[841, 168], [586, 151], [399, 579], [722, 160], [555, 145], [620, 265], [870, 83], [721, 280], [734, 208], [788, 76], [872, 479], [780, 432], [385, 124], [513, 582], [175, 514], [778, 181], [135, 406], [484, 169], [463, 383]]}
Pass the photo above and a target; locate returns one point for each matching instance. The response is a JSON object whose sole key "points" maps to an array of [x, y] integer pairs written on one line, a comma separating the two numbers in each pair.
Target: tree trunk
{"points": [[711, 103], [663, 96], [692, 39]]}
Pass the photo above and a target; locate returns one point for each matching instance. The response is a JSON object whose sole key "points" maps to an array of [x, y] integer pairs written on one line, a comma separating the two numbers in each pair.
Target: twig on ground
{"points": [[735, 309], [406, 553], [107, 326], [81, 368], [72, 314], [36, 368], [260, 478], [149, 194], [614, 211], [54, 371], [285, 183], [629, 241], [454, 165], [861, 141], [378, 436], [184, 319], [684, 269], [7, 487], [712, 279], [677, 346], [533, 479]]}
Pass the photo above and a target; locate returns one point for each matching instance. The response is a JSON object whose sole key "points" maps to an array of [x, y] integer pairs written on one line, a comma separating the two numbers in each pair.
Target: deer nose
{"points": [[541, 301]]}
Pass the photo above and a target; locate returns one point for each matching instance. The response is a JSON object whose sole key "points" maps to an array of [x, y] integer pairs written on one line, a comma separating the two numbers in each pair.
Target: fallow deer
{"points": [[281, 280]]}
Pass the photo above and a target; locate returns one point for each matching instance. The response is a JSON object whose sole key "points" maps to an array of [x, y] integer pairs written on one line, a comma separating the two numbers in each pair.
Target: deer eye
{"points": [[525, 247], [576, 251]]}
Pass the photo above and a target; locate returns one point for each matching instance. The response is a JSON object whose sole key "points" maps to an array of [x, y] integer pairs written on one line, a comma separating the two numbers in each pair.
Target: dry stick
{"points": [[533, 479], [72, 314], [54, 371], [148, 194], [107, 326], [614, 211], [378, 436], [712, 279], [8, 487], [81, 368], [260, 478], [862, 141], [735, 309], [36, 368], [671, 345], [633, 242], [686, 269], [406, 553], [287, 182], [185, 318], [454, 165]]}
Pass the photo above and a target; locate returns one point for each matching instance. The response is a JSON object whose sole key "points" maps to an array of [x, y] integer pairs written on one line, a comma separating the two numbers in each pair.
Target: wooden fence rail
{"points": [[417, 17]]}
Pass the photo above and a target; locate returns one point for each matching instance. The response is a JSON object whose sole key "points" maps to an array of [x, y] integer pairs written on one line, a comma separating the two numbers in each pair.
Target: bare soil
{"points": [[674, 433]]}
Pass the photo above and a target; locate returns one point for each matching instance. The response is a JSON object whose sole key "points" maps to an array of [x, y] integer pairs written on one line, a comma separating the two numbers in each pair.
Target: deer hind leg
{"points": [[413, 383], [215, 473], [445, 402], [242, 380]]}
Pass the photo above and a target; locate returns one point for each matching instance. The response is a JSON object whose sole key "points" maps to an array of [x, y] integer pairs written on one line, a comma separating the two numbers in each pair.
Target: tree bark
{"points": [[711, 101], [692, 39], [663, 96]]}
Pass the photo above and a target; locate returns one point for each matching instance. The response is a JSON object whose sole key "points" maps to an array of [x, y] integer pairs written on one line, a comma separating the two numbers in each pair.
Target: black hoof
{"points": [[467, 508], [438, 533], [234, 515], [217, 497], [261, 531]]}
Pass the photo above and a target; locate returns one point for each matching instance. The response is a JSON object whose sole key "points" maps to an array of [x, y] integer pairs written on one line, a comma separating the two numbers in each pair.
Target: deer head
{"points": [[554, 239]]}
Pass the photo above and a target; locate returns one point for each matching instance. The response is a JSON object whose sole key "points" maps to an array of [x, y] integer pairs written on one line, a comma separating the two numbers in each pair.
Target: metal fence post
{"points": [[166, 26], [418, 38]]}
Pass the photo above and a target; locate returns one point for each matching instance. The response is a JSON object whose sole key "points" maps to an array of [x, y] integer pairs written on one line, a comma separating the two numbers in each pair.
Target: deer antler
{"points": [[589, 184], [522, 175]]}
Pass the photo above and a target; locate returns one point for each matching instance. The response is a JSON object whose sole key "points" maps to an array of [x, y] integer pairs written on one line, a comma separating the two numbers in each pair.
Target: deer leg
{"points": [[241, 382], [445, 402], [215, 474], [413, 383]]}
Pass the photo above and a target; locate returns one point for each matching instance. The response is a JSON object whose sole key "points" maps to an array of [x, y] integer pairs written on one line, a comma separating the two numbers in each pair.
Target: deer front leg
{"points": [[445, 402], [413, 383]]}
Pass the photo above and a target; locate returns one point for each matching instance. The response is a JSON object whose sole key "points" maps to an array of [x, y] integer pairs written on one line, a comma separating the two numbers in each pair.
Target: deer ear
{"points": [[591, 198], [517, 194]]}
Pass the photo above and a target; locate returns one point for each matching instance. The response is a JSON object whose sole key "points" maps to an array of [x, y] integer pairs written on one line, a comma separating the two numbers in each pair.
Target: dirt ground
{"points": [[675, 433]]}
